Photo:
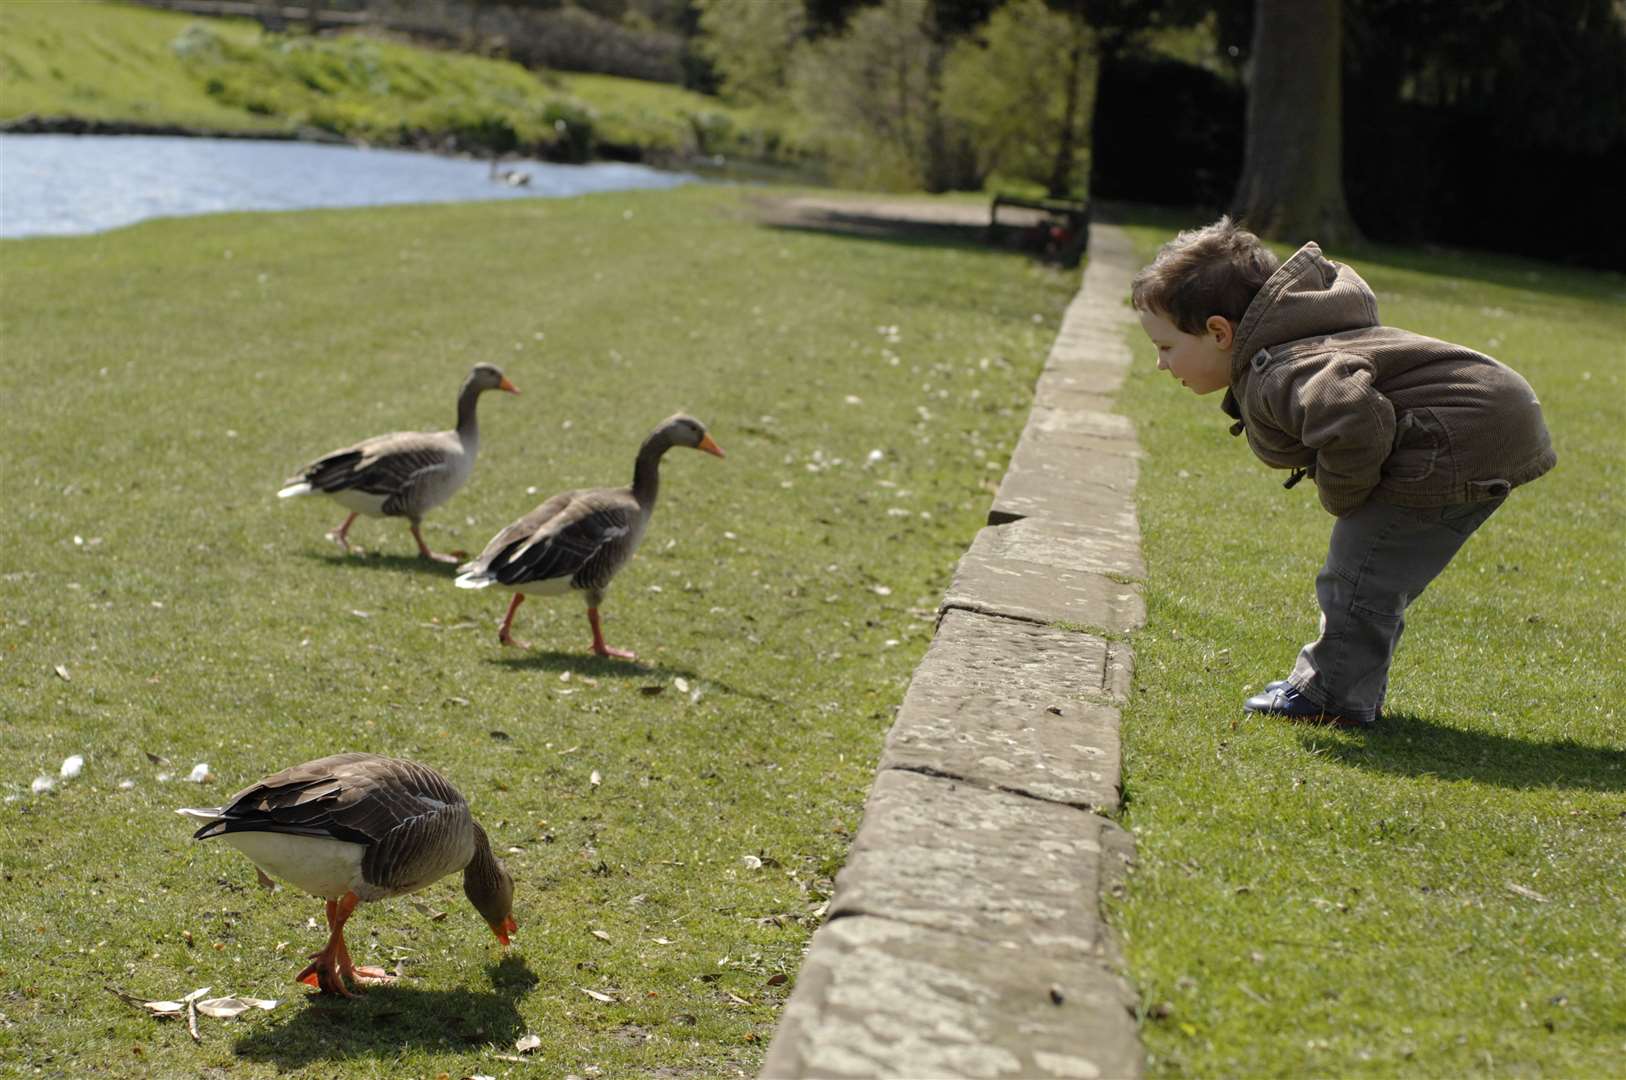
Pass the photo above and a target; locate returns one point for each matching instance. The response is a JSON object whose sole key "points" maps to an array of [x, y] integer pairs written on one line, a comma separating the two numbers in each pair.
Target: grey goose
{"points": [[404, 474], [359, 827], [580, 539]]}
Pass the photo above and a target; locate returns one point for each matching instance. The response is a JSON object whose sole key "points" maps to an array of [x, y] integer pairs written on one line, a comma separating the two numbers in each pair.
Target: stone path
{"points": [[965, 937]]}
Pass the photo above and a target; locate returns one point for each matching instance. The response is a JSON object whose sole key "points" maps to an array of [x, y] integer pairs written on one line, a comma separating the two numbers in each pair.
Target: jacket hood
{"points": [[1309, 295]]}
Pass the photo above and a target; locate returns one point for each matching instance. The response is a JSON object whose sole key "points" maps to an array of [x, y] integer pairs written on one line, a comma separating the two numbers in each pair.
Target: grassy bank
{"points": [[1443, 896], [158, 599], [118, 63]]}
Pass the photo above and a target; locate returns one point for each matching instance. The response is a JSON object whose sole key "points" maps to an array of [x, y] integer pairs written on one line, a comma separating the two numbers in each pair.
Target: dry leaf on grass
{"points": [[156, 759], [597, 995], [62, 670], [601, 935], [527, 1043], [72, 766], [595, 779], [432, 914]]}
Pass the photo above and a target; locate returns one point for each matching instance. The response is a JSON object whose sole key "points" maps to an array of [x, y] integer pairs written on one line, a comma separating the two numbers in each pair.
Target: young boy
{"points": [[1412, 442]]}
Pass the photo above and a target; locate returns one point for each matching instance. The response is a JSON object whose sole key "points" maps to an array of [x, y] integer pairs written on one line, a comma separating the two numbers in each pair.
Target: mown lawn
{"points": [[157, 599], [1444, 896]]}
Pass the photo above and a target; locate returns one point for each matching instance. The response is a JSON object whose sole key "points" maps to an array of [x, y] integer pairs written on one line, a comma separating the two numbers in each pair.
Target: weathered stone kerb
{"points": [[965, 936]]}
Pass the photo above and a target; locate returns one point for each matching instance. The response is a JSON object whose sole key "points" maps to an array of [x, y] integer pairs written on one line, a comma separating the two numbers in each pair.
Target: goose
{"points": [[359, 827], [405, 474], [511, 177], [579, 539]]}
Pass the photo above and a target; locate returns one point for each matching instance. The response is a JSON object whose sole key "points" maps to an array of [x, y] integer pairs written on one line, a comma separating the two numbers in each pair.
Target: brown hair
{"points": [[1214, 270]]}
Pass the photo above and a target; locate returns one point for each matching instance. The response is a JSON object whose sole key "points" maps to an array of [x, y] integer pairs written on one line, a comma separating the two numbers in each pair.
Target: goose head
{"points": [[682, 429], [483, 377]]}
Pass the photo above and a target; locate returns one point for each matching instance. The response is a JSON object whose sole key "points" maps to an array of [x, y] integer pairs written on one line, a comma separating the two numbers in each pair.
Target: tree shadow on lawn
{"points": [[388, 1019], [899, 220], [1414, 746]]}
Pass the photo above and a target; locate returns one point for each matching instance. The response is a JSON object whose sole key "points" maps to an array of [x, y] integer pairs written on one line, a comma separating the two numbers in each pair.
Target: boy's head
{"points": [[1192, 296]]}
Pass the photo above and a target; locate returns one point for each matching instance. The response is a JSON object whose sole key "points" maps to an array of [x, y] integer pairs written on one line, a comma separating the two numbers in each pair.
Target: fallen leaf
{"points": [[41, 785], [601, 935], [72, 766], [661, 941], [597, 996], [62, 670], [200, 773], [751, 862], [527, 1043], [680, 682], [156, 759], [776, 980], [432, 914], [595, 779], [651, 691]]}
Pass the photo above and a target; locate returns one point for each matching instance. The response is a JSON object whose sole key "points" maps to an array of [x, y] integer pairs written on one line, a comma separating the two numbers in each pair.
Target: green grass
{"points": [[1313, 903], [116, 62], [160, 381]]}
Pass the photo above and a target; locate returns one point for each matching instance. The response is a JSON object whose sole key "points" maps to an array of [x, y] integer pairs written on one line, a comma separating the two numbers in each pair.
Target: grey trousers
{"points": [[1380, 559]]}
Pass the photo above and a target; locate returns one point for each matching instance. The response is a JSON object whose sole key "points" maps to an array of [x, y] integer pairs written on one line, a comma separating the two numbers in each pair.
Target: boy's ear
{"points": [[1221, 330]]}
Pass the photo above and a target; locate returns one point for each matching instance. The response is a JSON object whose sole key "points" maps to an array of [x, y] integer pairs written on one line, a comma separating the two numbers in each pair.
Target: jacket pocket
{"points": [[1420, 439]]}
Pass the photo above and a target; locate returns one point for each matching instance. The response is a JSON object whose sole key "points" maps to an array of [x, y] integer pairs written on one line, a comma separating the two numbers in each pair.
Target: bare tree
{"points": [[1292, 185]]}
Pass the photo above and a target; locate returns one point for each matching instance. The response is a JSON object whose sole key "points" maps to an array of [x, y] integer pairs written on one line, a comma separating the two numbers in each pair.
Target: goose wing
{"points": [[388, 465], [585, 540]]}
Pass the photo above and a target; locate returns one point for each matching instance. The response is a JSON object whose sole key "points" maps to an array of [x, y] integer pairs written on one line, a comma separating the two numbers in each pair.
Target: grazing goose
{"points": [[579, 539], [406, 474], [355, 827]]}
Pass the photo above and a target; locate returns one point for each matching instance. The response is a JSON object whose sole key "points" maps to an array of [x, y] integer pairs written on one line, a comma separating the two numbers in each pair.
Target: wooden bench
{"points": [[1060, 233]]}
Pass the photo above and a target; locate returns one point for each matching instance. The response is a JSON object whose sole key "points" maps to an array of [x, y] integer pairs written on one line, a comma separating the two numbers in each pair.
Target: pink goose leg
{"points": [[340, 536], [423, 549], [601, 649], [503, 633], [331, 965]]}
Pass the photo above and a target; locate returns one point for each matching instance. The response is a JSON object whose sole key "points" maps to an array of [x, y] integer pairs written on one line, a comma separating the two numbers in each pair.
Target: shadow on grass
{"points": [[375, 560], [602, 667], [1414, 746], [388, 1019]]}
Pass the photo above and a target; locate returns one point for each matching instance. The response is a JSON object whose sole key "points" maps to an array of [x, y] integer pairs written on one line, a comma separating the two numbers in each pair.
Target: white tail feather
{"points": [[474, 579], [301, 488]]}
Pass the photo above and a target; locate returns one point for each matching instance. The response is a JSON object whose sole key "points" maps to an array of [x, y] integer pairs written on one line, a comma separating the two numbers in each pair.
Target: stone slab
{"points": [[1102, 425], [878, 998], [1014, 706], [1110, 544], [1068, 486], [1010, 870], [1034, 592]]}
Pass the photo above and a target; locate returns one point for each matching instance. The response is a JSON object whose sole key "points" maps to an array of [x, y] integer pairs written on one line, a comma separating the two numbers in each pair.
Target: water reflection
{"points": [[65, 184]]}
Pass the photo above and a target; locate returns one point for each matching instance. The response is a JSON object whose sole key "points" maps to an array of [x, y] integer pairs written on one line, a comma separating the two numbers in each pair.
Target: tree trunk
{"points": [[1061, 171], [1292, 186]]}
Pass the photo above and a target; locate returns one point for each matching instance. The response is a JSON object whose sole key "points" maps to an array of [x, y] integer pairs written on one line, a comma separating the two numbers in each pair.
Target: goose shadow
{"points": [[389, 1019], [378, 560], [1410, 745], [586, 664]]}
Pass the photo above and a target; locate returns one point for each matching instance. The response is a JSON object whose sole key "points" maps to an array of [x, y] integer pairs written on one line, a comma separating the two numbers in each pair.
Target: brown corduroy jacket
{"points": [[1370, 411]]}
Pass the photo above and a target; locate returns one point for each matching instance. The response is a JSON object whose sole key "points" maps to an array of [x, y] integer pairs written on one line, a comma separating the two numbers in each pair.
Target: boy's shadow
{"points": [[387, 1019], [1414, 746]]}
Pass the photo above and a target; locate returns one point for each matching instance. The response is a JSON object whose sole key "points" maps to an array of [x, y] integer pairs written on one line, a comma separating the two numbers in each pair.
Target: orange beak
{"points": [[508, 386], [709, 447], [503, 929]]}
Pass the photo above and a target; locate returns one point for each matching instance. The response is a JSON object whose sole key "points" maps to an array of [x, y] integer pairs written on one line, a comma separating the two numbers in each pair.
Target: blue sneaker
{"points": [[1280, 699]]}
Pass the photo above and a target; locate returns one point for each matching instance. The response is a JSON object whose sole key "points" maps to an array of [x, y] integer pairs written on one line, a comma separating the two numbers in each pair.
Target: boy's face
{"points": [[1202, 362]]}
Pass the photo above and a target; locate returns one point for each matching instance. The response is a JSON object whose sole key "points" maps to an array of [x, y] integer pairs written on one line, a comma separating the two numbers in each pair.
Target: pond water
{"points": [[65, 184]]}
